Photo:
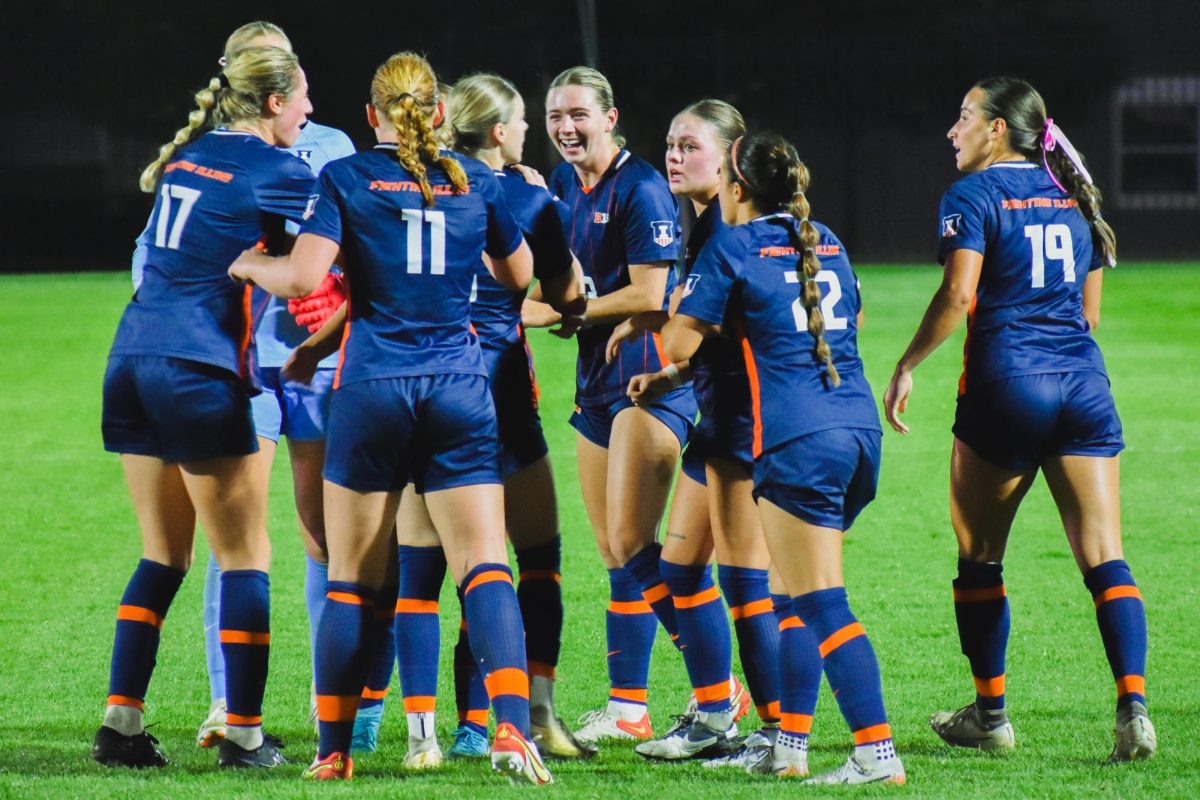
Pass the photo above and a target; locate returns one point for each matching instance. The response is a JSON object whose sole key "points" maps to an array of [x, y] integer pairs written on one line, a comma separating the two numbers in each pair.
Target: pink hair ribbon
{"points": [[1054, 137]]}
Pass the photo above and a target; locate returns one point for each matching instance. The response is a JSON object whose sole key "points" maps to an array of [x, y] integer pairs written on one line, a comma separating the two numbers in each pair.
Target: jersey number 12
{"points": [[1050, 241]]}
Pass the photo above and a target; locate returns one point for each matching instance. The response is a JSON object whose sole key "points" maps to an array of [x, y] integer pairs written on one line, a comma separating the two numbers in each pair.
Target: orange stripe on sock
{"points": [[989, 687], [700, 598], [713, 693], [629, 607], [245, 637], [337, 707], [418, 703], [768, 711], [840, 637], [980, 595], [407, 606], [795, 723], [478, 716], [541, 669], [791, 622], [139, 614], [507, 681], [1131, 684], [656, 593], [347, 597], [628, 695], [375, 694], [122, 700], [1116, 593], [540, 575], [245, 720], [752, 609], [875, 733], [491, 576]]}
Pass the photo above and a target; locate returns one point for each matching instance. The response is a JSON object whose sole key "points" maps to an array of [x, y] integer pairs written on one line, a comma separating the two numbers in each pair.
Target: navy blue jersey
{"points": [[219, 196], [718, 368], [496, 311], [628, 217], [409, 268], [1027, 317], [747, 274]]}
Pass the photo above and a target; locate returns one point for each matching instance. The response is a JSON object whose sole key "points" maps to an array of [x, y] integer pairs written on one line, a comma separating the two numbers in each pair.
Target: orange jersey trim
{"points": [[962, 380], [341, 362], [755, 395]]}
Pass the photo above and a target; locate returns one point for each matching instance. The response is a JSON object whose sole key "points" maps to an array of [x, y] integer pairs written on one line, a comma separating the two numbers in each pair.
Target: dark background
{"points": [[866, 91]]}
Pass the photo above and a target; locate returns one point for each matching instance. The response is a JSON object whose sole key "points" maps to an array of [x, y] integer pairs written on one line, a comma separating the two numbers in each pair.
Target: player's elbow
{"points": [[516, 270], [1093, 318]]}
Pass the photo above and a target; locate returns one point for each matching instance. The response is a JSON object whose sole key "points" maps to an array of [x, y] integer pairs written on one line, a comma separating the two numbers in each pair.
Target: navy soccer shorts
{"points": [[175, 409], [514, 389], [676, 409], [1019, 422], [729, 438]]}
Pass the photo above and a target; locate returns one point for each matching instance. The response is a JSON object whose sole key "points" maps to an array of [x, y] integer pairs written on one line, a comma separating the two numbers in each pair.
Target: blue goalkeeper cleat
{"points": [[469, 743]]}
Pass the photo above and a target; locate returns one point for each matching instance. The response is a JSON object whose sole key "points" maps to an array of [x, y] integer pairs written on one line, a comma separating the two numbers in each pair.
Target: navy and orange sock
{"points": [[1121, 616], [140, 617], [799, 671], [417, 626], [470, 695], [246, 646], [703, 632], [849, 662], [382, 651], [747, 592], [643, 566], [540, 594], [630, 627], [498, 641], [341, 662], [981, 611]]}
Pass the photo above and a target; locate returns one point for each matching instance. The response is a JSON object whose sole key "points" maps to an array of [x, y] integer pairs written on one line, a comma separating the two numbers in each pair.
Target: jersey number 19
{"points": [[1050, 241]]}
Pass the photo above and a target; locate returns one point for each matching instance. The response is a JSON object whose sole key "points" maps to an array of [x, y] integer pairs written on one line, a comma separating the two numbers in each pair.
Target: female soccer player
{"points": [[1022, 241], [623, 231], [176, 400], [816, 430], [286, 408], [411, 400]]}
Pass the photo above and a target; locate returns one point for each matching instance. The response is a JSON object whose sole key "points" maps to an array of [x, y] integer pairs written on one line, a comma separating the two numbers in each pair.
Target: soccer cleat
{"points": [[366, 729], [854, 771], [113, 749], [1134, 734], [966, 728], [739, 699], [212, 730], [753, 757], [602, 724], [334, 767], [468, 743], [423, 754], [786, 762], [266, 755], [690, 738], [518, 758], [555, 741]]}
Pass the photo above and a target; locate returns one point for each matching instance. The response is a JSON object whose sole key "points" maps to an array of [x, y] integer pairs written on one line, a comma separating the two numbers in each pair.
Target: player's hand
{"points": [[535, 314], [569, 325], [313, 310], [241, 269], [895, 399], [300, 366], [646, 388], [624, 332], [531, 175]]}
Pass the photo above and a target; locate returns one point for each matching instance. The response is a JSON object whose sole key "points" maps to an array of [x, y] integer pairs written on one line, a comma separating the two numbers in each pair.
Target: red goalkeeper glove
{"points": [[314, 310]]}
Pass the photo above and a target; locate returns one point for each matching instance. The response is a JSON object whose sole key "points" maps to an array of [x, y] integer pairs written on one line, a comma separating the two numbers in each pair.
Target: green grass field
{"points": [[70, 542]]}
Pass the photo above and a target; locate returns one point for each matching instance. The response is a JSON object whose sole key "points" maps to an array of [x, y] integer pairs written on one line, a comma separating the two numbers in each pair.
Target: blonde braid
{"points": [[206, 100]]}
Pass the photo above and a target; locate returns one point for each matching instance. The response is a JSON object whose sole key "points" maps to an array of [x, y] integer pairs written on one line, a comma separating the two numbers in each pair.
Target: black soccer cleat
{"points": [[265, 755], [113, 749]]}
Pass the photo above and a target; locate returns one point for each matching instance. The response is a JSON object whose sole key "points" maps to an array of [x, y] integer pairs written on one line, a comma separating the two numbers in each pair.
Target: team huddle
{"points": [[372, 307]]}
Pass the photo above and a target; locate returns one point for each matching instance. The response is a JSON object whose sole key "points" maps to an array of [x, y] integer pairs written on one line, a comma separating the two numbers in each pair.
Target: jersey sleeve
{"points": [[284, 188], [503, 232], [551, 253], [710, 284], [650, 224], [964, 221], [324, 209]]}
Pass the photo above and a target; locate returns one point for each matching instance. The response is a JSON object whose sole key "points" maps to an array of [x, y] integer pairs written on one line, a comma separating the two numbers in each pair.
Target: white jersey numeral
{"points": [[187, 198], [1050, 241], [589, 287], [831, 292], [416, 219]]}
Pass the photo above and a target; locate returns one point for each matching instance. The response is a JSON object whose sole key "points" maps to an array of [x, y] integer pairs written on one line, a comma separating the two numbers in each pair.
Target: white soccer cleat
{"points": [[1135, 738], [856, 771], [603, 724], [212, 730], [967, 728], [423, 754], [753, 757], [691, 738]]}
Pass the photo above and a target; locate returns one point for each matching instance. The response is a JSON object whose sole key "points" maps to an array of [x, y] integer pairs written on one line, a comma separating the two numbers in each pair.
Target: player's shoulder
{"points": [[829, 241], [635, 172]]}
